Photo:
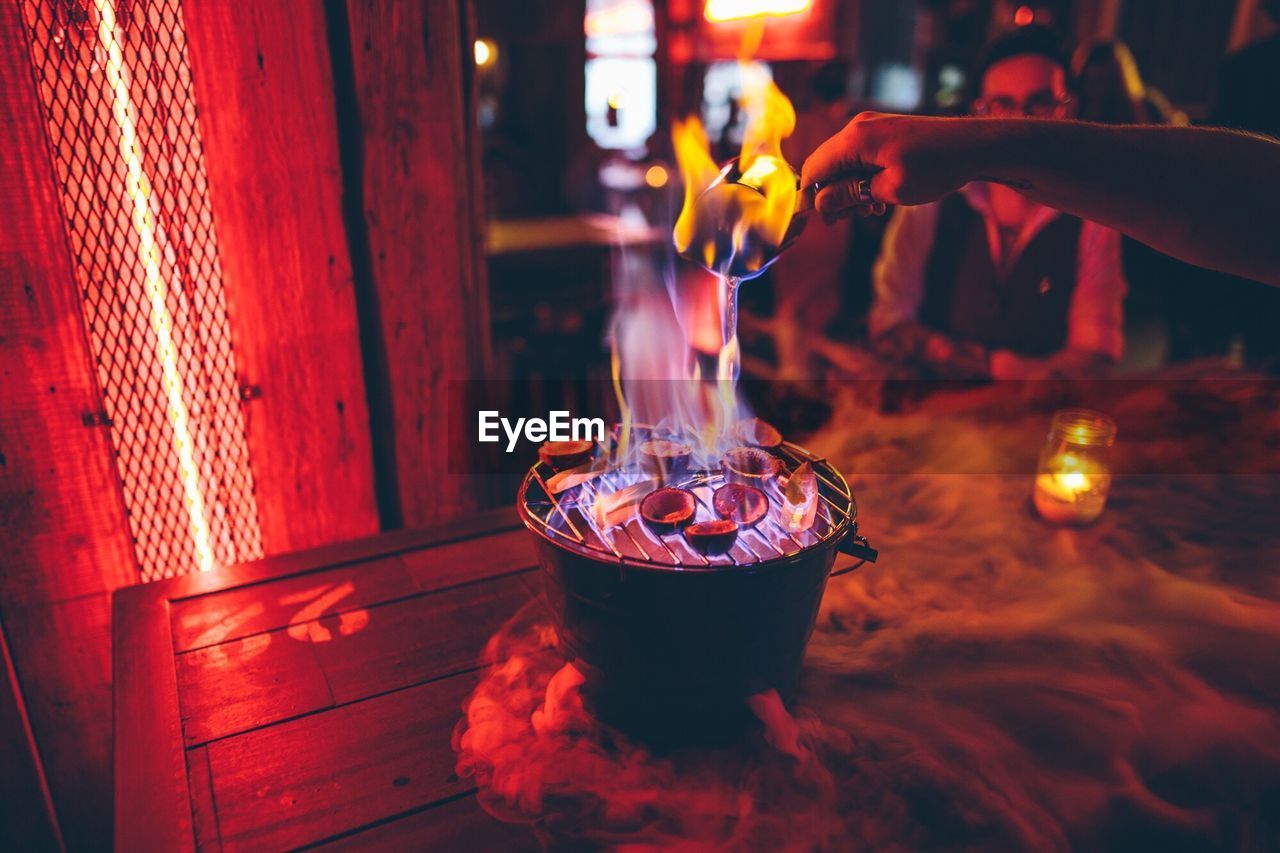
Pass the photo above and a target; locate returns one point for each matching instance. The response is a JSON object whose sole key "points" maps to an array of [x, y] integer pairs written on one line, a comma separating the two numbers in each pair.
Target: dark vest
{"points": [[1026, 309]]}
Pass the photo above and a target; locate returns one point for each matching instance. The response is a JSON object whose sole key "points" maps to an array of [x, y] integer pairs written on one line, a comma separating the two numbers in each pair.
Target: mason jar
{"points": [[1073, 477]]}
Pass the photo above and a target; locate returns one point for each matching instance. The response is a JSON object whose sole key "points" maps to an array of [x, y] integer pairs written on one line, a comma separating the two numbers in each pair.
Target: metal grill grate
{"points": [[568, 518], [125, 142]]}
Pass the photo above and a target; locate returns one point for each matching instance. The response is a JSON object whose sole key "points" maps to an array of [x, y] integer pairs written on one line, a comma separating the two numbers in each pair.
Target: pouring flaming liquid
{"points": [[736, 219], [733, 222]]}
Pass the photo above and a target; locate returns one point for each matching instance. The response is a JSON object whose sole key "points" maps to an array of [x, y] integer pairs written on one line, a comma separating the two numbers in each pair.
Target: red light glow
{"points": [[128, 164]]}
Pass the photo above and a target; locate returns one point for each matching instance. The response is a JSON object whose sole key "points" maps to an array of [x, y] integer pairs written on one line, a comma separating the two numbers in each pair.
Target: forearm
{"points": [[1205, 196], [1067, 363]]}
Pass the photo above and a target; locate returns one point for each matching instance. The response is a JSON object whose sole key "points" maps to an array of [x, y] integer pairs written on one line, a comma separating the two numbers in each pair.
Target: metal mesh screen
{"points": [[124, 136]]}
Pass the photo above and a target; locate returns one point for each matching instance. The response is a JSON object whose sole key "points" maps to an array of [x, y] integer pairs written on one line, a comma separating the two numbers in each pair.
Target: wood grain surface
{"points": [[325, 714]]}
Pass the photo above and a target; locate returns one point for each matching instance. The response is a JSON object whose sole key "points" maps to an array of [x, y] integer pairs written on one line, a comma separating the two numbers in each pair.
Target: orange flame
{"points": [[762, 163], [757, 208], [698, 170]]}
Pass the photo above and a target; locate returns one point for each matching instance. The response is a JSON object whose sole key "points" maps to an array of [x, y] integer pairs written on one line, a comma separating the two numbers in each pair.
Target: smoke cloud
{"points": [[993, 683]]}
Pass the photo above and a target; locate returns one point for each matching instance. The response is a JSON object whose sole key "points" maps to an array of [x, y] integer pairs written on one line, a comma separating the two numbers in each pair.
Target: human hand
{"points": [[910, 160], [912, 343]]}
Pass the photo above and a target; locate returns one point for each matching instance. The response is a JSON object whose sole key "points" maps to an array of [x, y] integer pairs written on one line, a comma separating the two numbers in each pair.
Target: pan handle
{"points": [[856, 545]]}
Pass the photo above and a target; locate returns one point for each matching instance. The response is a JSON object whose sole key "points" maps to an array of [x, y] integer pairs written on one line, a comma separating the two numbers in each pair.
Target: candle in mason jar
{"points": [[1074, 474]]}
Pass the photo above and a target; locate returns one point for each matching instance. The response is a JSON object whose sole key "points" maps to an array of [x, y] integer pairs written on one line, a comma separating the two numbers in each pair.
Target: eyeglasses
{"points": [[1038, 105]]}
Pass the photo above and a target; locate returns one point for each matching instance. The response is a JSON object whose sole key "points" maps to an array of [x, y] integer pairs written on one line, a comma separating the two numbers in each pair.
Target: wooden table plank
{"points": [[257, 680], [319, 776], [412, 641], [460, 562], [238, 612], [453, 825], [269, 569], [248, 683], [154, 796]]}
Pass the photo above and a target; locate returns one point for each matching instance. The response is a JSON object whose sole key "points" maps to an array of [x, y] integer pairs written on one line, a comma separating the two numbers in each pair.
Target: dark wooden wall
{"points": [[265, 89], [411, 67], [350, 326]]}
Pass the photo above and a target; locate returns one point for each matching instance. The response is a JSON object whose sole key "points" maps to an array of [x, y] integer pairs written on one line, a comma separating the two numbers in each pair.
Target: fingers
{"points": [[863, 210], [839, 196], [844, 152], [854, 195]]}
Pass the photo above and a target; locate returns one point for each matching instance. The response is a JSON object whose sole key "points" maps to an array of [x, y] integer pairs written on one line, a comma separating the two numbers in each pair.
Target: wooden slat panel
{"points": [[210, 619], [62, 523], [460, 562], [265, 89], [456, 825], [312, 778], [67, 687], [244, 684], [411, 641], [421, 208], [153, 807], [203, 812], [63, 514]]}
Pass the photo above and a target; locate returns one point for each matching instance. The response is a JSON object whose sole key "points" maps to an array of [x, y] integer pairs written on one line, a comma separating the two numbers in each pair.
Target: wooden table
{"points": [[992, 682], [309, 699]]}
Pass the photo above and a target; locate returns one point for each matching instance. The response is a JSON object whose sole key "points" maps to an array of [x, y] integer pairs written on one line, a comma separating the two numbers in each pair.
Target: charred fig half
{"points": [[740, 503], [711, 537], [750, 466], [757, 433], [562, 455], [667, 510]]}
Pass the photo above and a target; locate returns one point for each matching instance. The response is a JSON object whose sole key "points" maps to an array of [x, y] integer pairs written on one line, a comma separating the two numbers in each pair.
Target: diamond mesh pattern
{"points": [[141, 234]]}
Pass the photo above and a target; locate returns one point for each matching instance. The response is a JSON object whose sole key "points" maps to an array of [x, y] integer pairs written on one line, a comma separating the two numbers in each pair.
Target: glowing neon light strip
{"points": [[161, 322]]}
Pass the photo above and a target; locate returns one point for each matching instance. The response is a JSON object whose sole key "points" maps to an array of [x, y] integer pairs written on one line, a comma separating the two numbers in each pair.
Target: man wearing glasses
{"points": [[984, 282]]}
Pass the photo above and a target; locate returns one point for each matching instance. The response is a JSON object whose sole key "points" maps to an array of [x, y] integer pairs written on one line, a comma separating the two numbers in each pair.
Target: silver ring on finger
{"points": [[862, 192]]}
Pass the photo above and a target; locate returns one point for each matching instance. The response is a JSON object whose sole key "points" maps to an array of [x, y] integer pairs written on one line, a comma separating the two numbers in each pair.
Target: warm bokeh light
{"points": [[630, 16], [485, 51], [1024, 16], [718, 11], [655, 176], [138, 188]]}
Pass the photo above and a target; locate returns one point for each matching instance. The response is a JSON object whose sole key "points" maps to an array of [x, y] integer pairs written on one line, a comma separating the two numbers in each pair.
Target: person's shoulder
{"points": [[1093, 235]]}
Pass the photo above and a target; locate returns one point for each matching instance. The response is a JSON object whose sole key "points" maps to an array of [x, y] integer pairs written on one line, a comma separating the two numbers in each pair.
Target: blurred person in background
{"points": [[1248, 99], [986, 283], [1110, 89]]}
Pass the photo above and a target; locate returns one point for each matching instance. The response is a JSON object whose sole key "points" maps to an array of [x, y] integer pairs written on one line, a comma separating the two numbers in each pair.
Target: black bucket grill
{"points": [[569, 520], [672, 643]]}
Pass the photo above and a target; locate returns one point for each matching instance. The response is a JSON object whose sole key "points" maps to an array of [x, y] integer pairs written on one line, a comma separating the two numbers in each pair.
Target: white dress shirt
{"points": [[1095, 319]]}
